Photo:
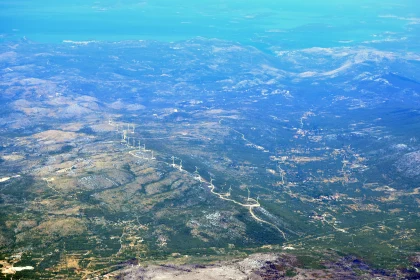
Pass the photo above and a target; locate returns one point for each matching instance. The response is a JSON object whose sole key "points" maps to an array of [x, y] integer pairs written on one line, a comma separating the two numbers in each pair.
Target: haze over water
{"points": [[286, 24]]}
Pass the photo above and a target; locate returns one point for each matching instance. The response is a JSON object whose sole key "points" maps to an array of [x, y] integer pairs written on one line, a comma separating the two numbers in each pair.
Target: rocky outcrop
{"points": [[409, 164]]}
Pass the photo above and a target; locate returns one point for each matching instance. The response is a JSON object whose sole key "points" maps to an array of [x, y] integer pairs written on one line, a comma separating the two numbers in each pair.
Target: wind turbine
{"points": [[282, 176], [344, 161], [249, 193], [230, 190], [153, 156], [258, 198], [133, 127], [281, 173], [173, 161], [180, 165]]}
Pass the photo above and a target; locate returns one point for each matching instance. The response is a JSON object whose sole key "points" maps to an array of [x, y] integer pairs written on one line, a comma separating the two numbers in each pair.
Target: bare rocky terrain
{"points": [[264, 267]]}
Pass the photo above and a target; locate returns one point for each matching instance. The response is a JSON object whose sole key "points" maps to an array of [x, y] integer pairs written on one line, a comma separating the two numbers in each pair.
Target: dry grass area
{"points": [[72, 262], [162, 185], [71, 126], [364, 207], [395, 195], [335, 179], [63, 184], [220, 113], [60, 227], [71, 211], [105, 160], [37, 111], [103, 127], [69, 262], [57, 136], [24, 225], [306, 159], [12, 157]]}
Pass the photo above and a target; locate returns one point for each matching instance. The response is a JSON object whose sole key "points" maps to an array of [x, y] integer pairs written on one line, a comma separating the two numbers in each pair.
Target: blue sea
{"points": [[288, 24]]}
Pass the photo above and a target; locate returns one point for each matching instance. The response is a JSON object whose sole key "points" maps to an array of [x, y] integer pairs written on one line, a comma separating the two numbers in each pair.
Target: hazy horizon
{"points": [[285, 24]]}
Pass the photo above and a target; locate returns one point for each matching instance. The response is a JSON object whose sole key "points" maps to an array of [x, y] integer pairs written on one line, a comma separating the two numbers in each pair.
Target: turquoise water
{"points": [[281, 23]]}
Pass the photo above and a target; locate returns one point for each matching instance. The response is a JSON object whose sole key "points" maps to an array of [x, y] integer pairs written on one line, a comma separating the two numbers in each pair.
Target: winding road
{"points": [[225, 196]]}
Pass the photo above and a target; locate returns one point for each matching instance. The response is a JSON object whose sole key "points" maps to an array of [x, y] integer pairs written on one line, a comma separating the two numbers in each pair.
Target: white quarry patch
{"points": [[20, 268], [4, 179], [10, 269]]}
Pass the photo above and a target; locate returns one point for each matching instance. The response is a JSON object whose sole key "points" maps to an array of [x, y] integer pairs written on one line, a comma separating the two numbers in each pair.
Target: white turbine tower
{"points": [[282, 176], [173, 161], [344, 164], [281, 171], [249, 193], [180, 165]]}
